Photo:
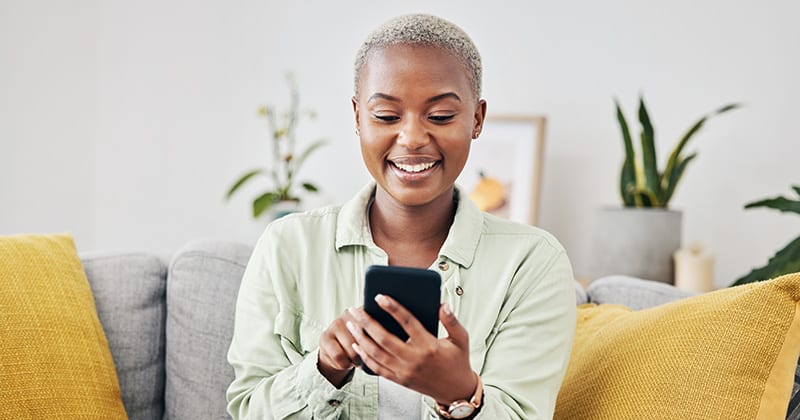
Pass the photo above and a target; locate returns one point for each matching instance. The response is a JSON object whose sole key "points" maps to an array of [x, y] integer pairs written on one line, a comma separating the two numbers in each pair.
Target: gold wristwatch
{"points": [[461, 409]]}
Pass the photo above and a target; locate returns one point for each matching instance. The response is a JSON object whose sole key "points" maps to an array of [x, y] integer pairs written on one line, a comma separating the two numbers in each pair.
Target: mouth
{"points": [[413, 169]]}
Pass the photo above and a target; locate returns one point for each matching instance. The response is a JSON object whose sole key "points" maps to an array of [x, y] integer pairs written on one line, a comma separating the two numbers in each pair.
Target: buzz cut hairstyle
{"points": [[428, 30]]}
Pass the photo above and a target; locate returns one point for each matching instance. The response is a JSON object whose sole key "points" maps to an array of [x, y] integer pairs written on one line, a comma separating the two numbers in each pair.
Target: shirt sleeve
{"points": [[275, 376], [528, 358]]}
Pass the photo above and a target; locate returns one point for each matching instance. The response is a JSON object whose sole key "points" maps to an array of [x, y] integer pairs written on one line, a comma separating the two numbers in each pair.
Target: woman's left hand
{"points": [[438, 368]]}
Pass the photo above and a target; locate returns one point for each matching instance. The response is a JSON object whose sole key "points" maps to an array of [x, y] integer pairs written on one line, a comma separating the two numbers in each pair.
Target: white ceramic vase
{"points": [[282, 208], [635, 242]]}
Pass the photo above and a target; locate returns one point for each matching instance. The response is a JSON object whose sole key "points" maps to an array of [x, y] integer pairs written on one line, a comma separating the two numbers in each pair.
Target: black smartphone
{"points": [[418, 290]]}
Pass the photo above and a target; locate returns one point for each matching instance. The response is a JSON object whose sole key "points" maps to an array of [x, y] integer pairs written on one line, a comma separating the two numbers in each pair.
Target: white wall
{"points": [[125, 122]]}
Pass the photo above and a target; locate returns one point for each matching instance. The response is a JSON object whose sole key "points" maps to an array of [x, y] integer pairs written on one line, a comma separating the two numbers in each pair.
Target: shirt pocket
{"points": [[298, 333]]}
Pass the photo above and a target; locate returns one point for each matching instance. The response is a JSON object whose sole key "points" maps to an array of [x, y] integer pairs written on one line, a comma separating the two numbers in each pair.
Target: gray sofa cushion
{"points": [[203, 284], [633, 292], [580, 294], [129, 291]]}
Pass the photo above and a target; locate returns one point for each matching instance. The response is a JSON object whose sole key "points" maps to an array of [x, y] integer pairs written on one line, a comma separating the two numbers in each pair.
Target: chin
{"points": [[417, 197]]}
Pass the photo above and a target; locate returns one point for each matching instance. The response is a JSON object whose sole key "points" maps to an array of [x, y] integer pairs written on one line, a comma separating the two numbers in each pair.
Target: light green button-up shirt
{"points": [[510, 285]]}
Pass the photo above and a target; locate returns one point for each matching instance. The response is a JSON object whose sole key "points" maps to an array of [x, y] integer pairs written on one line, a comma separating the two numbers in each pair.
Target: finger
{"points": [[338, 341], [372, 363], [403, 316], [334, 355], [455, 331], [372, 333]]}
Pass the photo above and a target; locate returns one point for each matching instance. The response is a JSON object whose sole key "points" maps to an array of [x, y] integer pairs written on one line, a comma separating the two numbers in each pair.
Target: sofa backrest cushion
{"points": [[129, 290], [633, 292], [202, 287]]}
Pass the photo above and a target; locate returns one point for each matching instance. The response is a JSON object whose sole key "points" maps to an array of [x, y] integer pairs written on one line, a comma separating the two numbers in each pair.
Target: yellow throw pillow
{"points": [[54, 357], [729, 354]]}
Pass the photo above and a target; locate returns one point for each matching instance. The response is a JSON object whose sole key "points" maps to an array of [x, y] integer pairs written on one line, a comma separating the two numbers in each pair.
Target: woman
{"points": [[508, 311]]}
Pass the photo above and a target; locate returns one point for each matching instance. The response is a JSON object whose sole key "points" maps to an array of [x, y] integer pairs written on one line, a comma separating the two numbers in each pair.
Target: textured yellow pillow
{"points": [[729, 354], [54, 357]]}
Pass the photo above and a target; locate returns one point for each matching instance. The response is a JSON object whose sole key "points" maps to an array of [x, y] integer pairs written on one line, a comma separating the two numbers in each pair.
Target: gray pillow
{"points": [[202, 286], [633, 292], [129, 293]]}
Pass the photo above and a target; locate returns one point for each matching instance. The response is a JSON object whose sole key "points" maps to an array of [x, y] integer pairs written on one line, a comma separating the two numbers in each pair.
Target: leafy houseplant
{"points": [[640, 238], [642, 184], [785, 261], [285, 160]]}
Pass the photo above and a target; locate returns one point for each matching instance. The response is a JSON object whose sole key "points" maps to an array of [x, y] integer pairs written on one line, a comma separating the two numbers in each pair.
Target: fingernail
{"points": [[381, 299], [356, 348], [447, 310]]}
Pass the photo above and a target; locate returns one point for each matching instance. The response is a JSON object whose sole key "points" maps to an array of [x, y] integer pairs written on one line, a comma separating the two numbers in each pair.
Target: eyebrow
{"points": [[430, 100]]}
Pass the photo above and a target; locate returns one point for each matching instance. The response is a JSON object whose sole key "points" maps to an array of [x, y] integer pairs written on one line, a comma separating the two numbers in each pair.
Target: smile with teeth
{"points": [[419, 167]]}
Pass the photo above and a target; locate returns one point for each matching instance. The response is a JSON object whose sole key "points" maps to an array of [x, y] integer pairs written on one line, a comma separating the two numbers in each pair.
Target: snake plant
{"points": [[785, 261], [642, 184]]}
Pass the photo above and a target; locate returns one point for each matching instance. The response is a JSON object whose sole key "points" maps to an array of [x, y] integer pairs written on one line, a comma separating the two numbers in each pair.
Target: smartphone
{"points": [[416, 289]]}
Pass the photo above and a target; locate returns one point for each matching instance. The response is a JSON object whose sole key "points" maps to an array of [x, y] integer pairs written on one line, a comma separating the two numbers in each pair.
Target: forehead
{"points": [[417, 64]]}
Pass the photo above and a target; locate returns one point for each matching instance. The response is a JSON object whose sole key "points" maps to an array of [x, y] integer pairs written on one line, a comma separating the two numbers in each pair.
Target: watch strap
{"points": [[476, 401]]}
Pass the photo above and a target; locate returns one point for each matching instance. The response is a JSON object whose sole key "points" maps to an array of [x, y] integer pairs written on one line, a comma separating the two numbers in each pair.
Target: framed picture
{"points": [[504, 170]]}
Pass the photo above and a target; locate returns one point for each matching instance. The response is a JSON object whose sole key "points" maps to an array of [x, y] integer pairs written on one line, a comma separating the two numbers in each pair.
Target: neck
{"points": [[411, 235]]}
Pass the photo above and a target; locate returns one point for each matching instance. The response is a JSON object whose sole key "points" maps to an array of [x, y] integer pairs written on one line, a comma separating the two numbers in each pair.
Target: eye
{"points": [[441, 118], [386, 118]]}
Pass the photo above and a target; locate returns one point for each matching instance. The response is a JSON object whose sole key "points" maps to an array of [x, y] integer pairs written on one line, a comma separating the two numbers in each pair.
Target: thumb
{"points": [[456, 332]]}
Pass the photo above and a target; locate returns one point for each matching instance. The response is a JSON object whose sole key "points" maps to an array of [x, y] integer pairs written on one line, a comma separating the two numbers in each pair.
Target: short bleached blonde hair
{"points": [[425, 30]]}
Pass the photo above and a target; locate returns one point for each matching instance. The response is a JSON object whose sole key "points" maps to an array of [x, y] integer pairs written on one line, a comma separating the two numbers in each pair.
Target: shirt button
{"points": [[334, 403], [443, 265], [459, 290]]}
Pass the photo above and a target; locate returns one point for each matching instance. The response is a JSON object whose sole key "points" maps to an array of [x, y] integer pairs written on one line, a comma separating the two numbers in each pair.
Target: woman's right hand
{"points": [[336, 355]]}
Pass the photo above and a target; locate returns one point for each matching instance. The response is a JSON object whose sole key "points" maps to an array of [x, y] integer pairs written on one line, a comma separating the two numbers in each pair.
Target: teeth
{"points": [[415, 168]]}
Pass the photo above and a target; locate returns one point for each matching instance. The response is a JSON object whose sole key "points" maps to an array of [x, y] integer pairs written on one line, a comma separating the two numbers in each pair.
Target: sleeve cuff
{"points": [[324, 399]]}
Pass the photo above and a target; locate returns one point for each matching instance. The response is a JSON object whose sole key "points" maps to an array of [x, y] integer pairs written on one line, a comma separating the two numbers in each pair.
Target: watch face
{"points": [[462, 410]]}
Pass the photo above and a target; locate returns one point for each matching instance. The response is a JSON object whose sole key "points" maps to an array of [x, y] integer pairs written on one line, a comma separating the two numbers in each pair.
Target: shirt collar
{"points": [[352, 226]]}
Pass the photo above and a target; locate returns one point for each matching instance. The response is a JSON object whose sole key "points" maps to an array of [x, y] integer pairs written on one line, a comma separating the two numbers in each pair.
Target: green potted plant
{"points": [[785, 261], [640, 238], [286, 160]]}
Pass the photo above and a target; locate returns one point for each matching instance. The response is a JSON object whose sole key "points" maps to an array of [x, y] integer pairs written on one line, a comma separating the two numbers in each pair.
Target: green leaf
{"points": [[298, 162], [674, 157], [241, 181], [646, 198], [310, 187], [796, 189], [264, 202], [651, 178], [727, 108], [778, 203], [627, 179], [675, 177], [785, 261]]}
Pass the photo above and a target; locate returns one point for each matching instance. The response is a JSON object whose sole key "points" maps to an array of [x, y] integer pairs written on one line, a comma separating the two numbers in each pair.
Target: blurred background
{"points": [[125, 123]]}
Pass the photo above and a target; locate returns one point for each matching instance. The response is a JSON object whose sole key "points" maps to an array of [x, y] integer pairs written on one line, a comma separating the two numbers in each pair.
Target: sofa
{"points": [[169, 325]]}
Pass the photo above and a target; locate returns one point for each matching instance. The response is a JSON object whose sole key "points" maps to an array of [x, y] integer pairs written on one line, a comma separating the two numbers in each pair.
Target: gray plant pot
{"points": [[635, 242]]}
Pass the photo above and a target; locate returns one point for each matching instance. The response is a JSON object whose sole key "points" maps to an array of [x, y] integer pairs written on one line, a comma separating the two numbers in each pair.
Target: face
{"points": [[416, 116]]}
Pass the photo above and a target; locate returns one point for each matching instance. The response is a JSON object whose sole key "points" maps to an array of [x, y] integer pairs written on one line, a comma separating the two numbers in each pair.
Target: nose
{"points": [[413, 135]]}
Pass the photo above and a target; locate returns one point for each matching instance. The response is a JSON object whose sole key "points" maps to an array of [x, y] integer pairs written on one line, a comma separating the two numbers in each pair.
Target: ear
{"points": [[355, 111], [480, 117]]}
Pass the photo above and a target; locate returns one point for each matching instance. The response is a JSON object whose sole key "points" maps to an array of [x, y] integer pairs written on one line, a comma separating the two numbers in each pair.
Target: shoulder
{"points": [[496, 229], [303, 226]]}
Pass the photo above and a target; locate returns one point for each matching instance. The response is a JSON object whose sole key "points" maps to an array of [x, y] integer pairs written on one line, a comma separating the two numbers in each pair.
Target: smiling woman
{"points": [[507, 308]]}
